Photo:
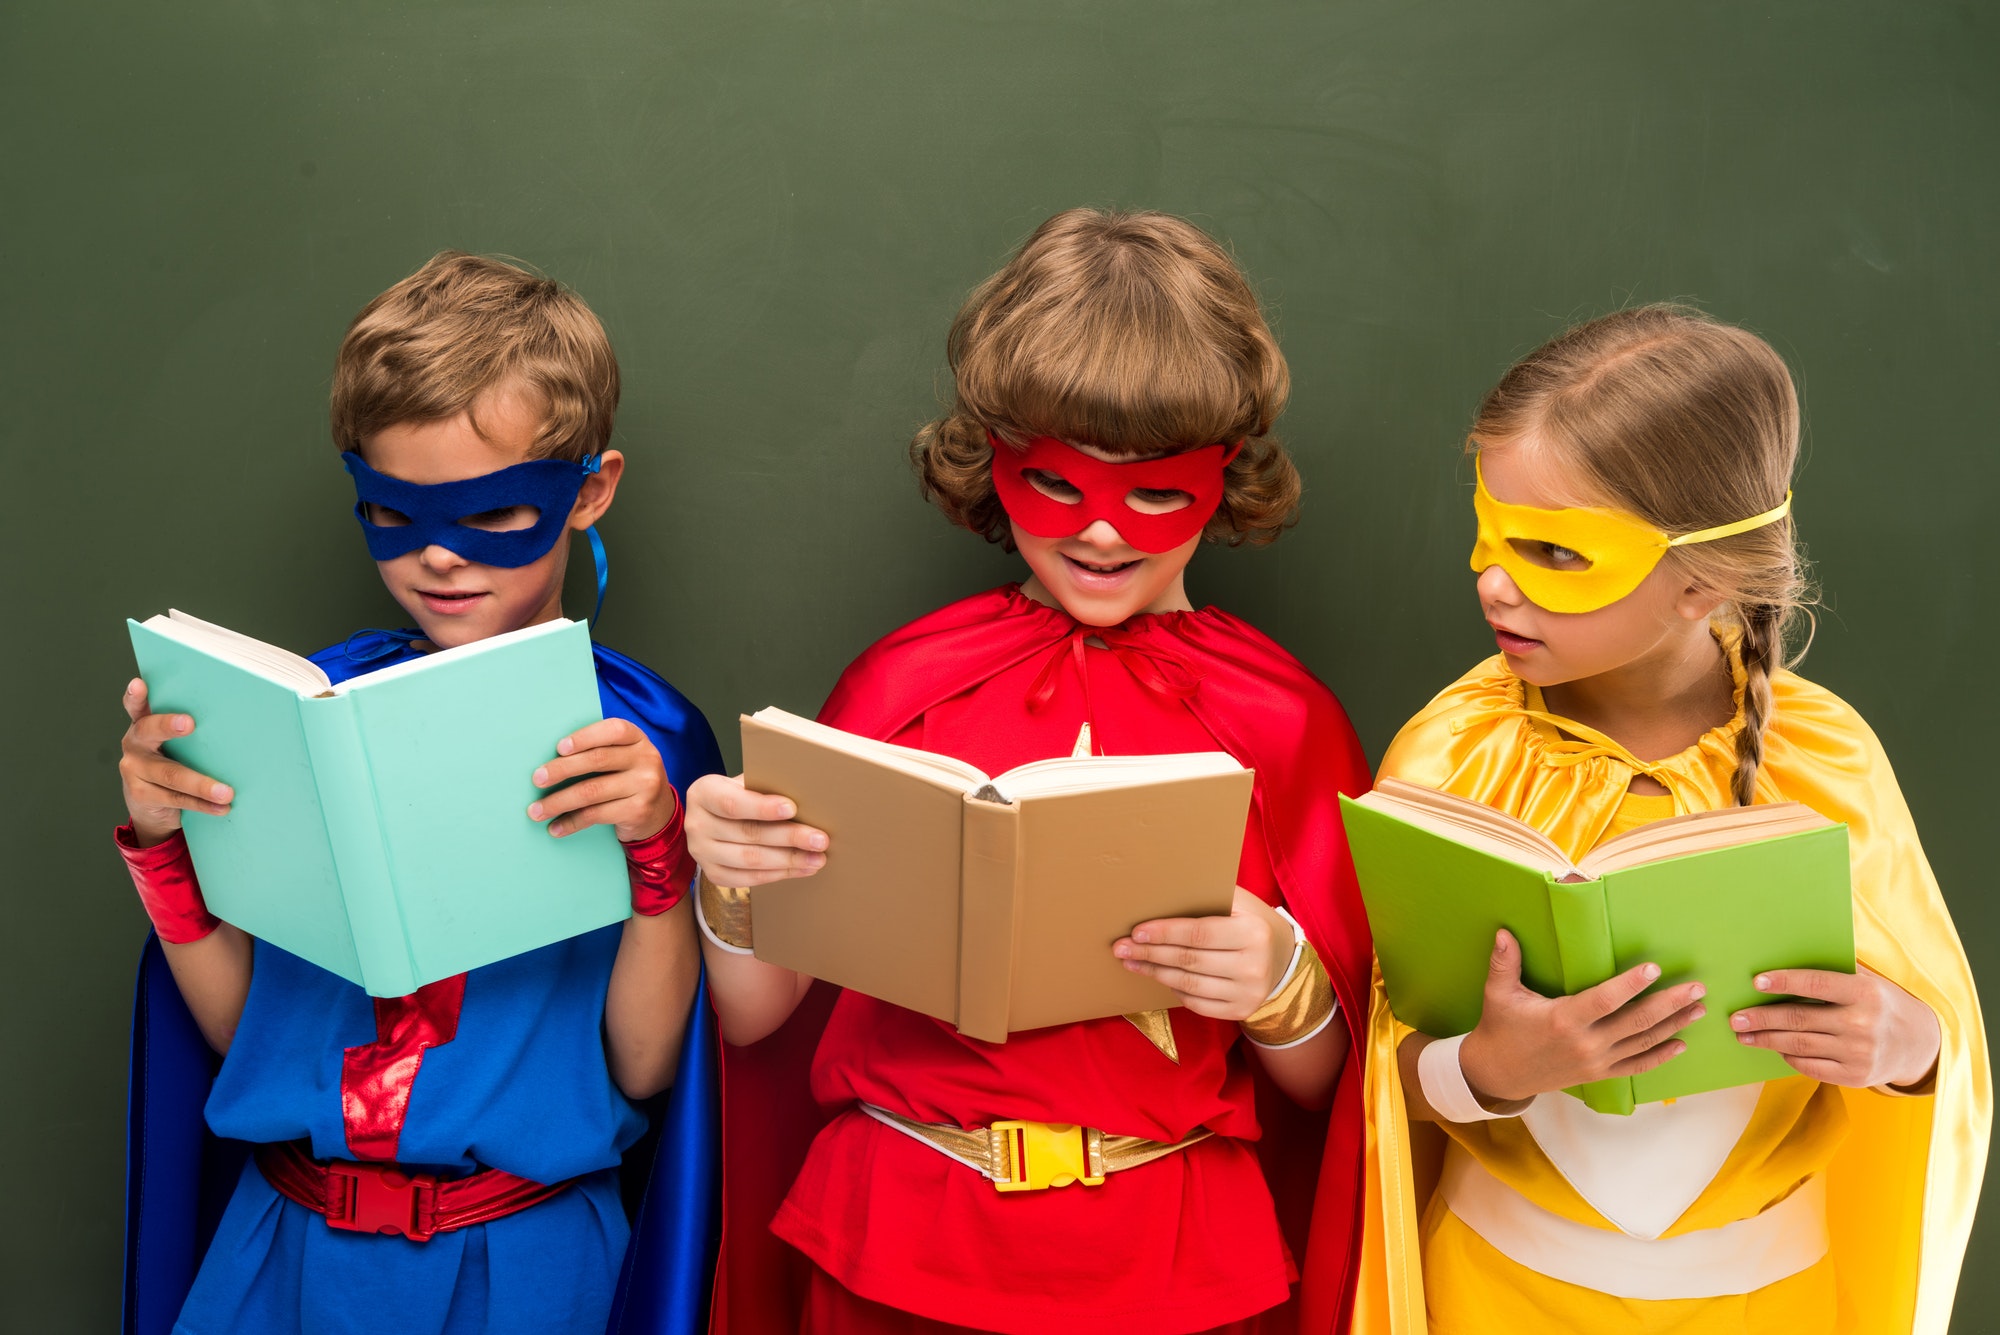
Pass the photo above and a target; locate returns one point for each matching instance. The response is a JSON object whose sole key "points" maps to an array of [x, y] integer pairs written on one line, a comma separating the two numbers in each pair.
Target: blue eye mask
{"points": [[436, 511]]}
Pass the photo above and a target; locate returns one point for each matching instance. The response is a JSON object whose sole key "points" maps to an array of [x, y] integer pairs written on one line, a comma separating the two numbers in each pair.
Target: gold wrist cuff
{"points": [[1299, 1011], [725, 913]]}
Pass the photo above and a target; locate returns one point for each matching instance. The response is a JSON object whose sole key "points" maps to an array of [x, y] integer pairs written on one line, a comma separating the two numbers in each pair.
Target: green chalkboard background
{"points": [[776, 208]]}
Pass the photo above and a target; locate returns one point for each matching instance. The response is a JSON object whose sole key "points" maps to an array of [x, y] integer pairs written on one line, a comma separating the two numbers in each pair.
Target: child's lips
{"points": [[1099, 576], [1510, 643], [450, 602]]}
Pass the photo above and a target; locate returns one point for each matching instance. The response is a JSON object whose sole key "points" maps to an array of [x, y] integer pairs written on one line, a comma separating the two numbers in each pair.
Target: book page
{"points": [[1699, 832], [445, 657], [927, 765], [1470, 823], [1087, 774], [252, 655]]}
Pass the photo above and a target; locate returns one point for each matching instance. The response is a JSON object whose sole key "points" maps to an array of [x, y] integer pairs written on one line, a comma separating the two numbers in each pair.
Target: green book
{"points": [[1718, 896], [380, 827]]}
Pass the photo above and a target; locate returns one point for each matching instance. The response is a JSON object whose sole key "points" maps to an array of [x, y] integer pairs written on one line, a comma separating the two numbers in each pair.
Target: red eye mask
{"points": [[1105, 487]]}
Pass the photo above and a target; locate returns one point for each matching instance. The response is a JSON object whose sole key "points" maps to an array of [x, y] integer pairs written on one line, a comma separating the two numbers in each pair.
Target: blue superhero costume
{"points": [[521, 1085]]}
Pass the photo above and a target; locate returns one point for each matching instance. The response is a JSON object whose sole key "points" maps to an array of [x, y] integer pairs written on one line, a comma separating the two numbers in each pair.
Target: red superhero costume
{"points": [[1186, 1242]]}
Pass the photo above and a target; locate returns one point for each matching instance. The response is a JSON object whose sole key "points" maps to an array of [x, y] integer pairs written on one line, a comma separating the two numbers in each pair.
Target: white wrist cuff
{"points": [[1445, 1089], [1298, 950], [701, 921]]}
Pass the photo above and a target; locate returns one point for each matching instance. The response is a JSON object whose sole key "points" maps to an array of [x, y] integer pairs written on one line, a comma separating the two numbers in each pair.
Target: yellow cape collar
{"points": [[1696, 777]]}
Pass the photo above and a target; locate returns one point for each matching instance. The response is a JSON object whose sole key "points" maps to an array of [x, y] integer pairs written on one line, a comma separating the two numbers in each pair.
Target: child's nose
{"points": [[1495, 585], [441, 559], [1100, 533]]}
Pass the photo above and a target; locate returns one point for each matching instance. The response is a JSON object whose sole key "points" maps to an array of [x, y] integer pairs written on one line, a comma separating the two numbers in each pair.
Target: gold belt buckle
{"points": [[1034, 1156]]}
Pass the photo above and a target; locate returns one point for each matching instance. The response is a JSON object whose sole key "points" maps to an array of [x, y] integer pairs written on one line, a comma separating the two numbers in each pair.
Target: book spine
{"points": [[988, 918], [1583, 935], [360, 858]]}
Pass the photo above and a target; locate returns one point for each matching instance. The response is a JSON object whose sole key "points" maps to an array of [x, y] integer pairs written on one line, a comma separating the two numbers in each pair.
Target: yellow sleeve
{"points": [[1902, 1192]]}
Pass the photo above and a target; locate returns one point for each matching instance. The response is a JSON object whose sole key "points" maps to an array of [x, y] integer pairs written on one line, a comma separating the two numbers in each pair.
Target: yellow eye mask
{"points": [[1581, 559]]}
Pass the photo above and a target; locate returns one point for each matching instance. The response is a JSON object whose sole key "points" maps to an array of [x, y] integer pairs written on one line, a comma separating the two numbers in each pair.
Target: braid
{"points": [[1763, 650]]}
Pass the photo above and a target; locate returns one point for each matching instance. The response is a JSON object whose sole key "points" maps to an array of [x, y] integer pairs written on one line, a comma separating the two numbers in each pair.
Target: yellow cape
{"points": [[1902, 1190]]}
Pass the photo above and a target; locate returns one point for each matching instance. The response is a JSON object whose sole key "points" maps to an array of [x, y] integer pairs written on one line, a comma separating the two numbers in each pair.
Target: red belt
{"points": [[386, 1198]]}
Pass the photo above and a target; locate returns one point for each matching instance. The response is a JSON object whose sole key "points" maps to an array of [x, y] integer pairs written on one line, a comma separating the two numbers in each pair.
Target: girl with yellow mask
{"points": [[1636, 560]]}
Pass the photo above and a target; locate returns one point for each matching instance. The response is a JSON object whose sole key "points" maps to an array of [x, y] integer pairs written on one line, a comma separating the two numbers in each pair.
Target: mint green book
{"points": [[1718, 896], [380, 827]]}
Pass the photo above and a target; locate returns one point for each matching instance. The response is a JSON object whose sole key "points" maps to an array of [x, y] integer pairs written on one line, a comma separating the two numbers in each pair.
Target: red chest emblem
{"points": [[376, 1078]]}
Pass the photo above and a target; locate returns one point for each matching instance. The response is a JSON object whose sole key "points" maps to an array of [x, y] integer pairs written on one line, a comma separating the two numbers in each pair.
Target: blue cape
{"points": [[178, 1177]]}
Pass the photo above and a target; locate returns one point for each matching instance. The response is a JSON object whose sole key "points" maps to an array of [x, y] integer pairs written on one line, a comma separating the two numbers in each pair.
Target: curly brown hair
{"points": [[1134, 333], [430, 346]]}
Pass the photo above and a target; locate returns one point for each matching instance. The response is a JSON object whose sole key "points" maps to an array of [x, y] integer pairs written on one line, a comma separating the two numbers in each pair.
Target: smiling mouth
{"points": [[1100, 568], [449, 599]]}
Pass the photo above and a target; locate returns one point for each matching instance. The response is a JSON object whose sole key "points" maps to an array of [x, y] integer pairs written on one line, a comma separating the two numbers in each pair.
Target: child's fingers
{"points": [[1609, 995], [1636, 1017], [596, 760], [1659, 1033], [1186, 982], [1221, 932], [734, 860], [774, 834], [134, 700], [706, 832], [1819, 984], [584, 793], [1822, 1070], [1658, 1055], [1230, 964], [140, 766], [153, 795], [715, 795], [1824, 1046], [151, 731], [605, 732], [1783, 1017], [601, 813]]}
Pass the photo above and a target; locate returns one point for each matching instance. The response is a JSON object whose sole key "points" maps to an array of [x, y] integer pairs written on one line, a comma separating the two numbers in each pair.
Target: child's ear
{"points": [[1698, 603], [595, 496]]}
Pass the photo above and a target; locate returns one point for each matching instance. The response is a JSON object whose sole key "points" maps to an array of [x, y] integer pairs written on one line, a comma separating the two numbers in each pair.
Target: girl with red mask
{"points": [[1115, 389]]}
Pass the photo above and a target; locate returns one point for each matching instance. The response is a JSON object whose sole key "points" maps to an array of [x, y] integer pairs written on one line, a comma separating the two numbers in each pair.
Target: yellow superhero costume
{"points": [[1901, 1174]]}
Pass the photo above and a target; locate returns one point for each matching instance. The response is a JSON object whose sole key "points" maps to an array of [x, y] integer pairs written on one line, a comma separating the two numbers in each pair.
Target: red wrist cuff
{"points": [[164, 877], [659, 867]]}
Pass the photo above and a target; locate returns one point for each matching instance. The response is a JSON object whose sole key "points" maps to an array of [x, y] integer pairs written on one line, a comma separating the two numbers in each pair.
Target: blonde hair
{"points": [[1134, 333], [429, 347], [1688, 423]]}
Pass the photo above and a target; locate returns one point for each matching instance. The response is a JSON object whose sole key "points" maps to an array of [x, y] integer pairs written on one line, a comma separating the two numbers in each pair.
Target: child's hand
{"points": [[1224, 966], [158, 789], [1527, 1044], [741, 838], [1865, 1031], [629, 792]]}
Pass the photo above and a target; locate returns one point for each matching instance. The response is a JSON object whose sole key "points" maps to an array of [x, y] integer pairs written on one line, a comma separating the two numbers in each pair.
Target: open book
{"points": [[380, 826], [990, 902], [1716, 895]]}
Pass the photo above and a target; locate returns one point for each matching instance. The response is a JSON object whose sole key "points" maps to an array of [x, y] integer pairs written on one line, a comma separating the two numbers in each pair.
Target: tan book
{"points": [[990, 902]]}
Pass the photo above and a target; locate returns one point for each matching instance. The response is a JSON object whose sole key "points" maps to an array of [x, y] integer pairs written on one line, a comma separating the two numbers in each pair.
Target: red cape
{"points": [[1263, 707]]}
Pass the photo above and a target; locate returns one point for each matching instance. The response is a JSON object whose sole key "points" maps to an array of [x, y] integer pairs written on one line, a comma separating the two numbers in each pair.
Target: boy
{"points": [[473, 403]]}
